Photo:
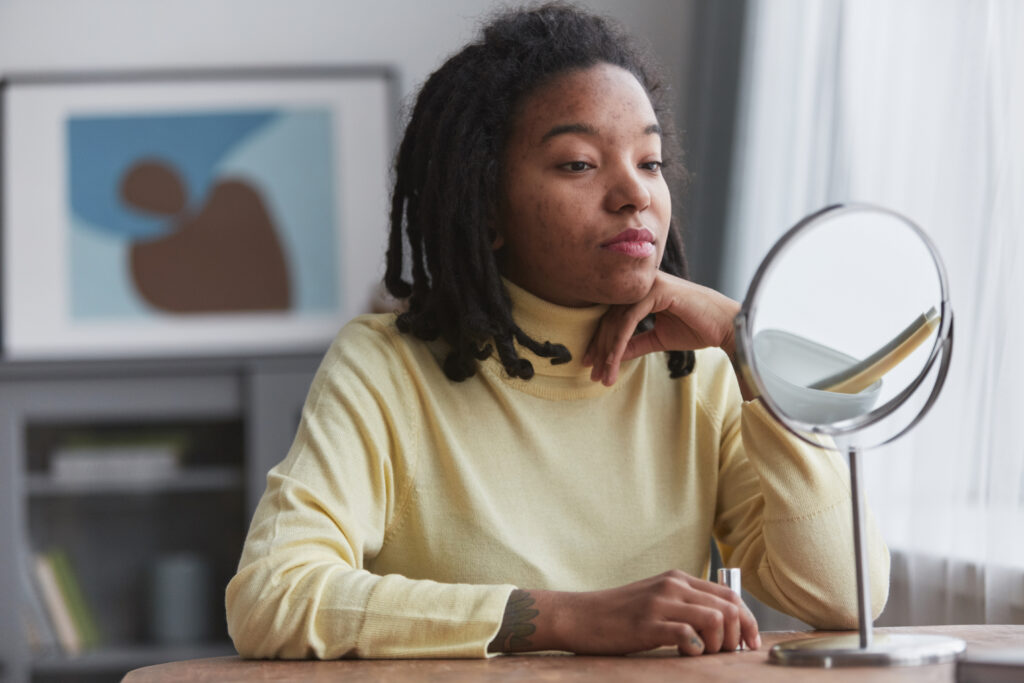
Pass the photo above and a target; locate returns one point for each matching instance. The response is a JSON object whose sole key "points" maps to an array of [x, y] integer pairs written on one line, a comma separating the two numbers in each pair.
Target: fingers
{"points": [[608, 348], [684, 637], [718, 615], [672, 608], [613, 337], [748, 629], [740, 624], [717, 620], [749, 632]]}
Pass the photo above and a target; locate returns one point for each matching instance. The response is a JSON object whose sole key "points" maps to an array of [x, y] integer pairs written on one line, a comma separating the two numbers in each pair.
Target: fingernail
{"points": [[757, 641]]}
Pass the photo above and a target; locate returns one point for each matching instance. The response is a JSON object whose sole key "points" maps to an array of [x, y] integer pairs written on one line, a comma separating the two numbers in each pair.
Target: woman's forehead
{"points": [[594, 100]]}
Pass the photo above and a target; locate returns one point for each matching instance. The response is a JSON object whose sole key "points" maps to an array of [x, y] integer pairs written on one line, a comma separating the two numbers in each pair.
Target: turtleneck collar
{"points": [[545, 321], [570, 327]]}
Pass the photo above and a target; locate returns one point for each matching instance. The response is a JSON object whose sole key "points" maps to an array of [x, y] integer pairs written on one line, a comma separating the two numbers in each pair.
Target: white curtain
{"points": [[917, 105]]}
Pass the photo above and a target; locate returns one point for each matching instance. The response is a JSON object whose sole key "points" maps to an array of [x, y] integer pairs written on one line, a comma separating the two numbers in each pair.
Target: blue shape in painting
{"points": [[285, 155], [102, 149], [100, 282]]}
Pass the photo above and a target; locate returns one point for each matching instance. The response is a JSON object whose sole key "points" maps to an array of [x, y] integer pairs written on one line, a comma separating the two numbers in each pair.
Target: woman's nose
{"points": [[628, 191]]}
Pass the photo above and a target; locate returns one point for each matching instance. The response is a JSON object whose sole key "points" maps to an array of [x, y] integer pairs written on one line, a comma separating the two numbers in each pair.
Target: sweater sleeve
{"points": [[784, 516], [301, 589]]}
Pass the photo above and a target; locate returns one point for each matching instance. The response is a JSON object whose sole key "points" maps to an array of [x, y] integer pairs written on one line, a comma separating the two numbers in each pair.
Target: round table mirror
{"points": [[846, 334]]}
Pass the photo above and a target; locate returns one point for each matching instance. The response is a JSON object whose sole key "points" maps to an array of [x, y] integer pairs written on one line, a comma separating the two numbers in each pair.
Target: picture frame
{"points": [[191, 213]]}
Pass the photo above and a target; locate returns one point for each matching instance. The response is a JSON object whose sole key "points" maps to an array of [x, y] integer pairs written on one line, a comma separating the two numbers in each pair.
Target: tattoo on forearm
{"points": [[517, 624]]}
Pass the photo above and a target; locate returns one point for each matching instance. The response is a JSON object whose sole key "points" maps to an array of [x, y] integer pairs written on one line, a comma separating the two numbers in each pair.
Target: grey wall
{"points": [[413, 35]]}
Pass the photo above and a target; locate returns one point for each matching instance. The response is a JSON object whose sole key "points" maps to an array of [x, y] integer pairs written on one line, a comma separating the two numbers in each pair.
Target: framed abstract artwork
{"points": [[191, 213]]}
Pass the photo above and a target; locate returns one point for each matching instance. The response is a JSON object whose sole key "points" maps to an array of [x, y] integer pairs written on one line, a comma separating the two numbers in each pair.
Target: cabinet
{"points": [[235, 419]]}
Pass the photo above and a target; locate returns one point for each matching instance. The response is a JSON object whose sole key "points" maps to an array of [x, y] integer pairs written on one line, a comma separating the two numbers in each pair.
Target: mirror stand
{"points": [[864, 649]]}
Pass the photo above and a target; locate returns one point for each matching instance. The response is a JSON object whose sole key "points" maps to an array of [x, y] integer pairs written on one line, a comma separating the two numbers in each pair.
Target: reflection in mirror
{"points": [[845, 319], [859, 375]]}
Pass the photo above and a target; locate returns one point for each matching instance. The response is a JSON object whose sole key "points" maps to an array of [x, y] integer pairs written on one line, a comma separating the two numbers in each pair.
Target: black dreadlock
{"points": [[447, 182]]}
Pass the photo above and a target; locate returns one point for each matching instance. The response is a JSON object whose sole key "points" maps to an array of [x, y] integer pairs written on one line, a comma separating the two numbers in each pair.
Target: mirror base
{"points": [[888, 649]]}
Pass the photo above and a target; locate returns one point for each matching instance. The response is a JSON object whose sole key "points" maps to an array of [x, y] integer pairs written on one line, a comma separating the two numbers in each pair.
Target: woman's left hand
{"points": [[687, 317]]}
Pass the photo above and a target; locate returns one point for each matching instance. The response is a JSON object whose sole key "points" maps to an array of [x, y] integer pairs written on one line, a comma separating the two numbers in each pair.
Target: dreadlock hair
{"points": [[447, 182]]}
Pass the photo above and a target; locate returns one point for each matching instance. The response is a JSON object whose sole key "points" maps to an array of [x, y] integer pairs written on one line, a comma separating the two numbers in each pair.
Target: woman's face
{"points": [[585, 210]]}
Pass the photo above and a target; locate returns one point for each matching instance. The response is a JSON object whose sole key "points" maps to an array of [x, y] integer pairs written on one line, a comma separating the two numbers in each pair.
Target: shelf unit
{"points": [[213, 479], [237, 417]]}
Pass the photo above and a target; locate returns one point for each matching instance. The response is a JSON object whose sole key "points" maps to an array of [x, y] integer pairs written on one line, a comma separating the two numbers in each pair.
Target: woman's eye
{"points": [[576, 166], [652, 165]]}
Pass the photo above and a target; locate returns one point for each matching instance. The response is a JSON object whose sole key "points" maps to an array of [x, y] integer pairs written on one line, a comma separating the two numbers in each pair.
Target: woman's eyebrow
{"points": [[581, 128], [586, 129]]}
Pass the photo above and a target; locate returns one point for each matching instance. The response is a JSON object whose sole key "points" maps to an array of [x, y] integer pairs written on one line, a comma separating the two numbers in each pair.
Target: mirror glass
{"points": [[844, 320]]}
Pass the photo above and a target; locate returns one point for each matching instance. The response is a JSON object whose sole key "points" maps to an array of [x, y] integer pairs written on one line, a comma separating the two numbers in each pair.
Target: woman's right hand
{"points": [[670, 609]]}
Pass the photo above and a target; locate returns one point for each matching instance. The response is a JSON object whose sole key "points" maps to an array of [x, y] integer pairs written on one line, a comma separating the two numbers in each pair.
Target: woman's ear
{"points": [[495, 231]]}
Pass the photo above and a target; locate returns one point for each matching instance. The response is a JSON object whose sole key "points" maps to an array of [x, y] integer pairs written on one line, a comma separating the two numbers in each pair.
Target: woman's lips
{"points": [[635, 242]]}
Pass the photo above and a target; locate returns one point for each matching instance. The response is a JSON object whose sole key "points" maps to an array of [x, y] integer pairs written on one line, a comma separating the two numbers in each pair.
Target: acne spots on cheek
{"points": [[549, 240], [545, 231], [555, 220]]}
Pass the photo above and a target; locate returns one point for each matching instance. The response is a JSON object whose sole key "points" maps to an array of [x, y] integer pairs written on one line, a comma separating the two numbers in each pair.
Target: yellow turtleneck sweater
{"points": [[409, 506]]}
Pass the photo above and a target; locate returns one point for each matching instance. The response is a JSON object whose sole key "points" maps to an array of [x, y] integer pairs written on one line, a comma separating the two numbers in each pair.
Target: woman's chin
{"points": [[630, 290]]}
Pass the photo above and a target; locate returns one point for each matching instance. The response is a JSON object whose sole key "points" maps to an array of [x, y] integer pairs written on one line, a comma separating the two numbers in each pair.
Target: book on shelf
{"points": [[74, 622], [97, 459], [81, 613], [60, 614], [32, 612]]}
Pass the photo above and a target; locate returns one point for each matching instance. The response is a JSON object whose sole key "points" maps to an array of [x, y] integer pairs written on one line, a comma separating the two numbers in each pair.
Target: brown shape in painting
{"points": [[226, 258], [154, 187]]}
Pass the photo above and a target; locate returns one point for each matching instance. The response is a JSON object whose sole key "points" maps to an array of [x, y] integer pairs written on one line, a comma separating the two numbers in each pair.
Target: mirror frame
{"points": [[942, 349]]}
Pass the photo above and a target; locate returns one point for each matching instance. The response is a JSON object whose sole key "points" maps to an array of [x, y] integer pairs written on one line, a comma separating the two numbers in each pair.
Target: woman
{"points": [[509, 465]]}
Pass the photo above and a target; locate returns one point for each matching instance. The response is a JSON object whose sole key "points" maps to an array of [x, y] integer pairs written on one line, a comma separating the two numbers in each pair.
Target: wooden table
{"points": [[661, 665]]}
